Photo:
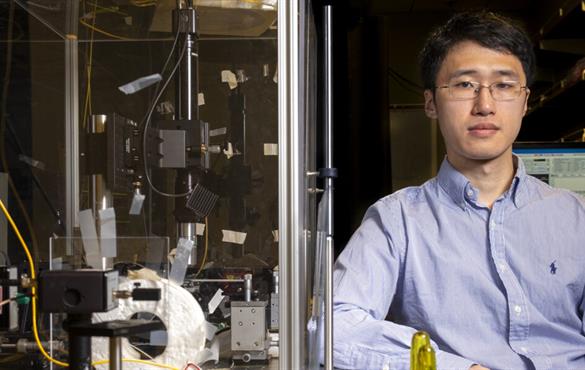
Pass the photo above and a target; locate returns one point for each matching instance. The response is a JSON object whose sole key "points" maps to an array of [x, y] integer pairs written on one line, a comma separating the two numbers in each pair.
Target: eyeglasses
{"points": [[468, 90]]}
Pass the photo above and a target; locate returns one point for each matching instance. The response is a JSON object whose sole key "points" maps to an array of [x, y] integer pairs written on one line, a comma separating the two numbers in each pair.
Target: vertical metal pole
{"points": [[187, 109], [116, 353], [328, 110], [71, 120], [292, 319]]}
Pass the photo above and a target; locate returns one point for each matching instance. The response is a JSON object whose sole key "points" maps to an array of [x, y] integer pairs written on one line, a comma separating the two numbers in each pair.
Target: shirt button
{"points": [[524, 349], [469, 193], [502, 267], [493, 223], [517, 309]]}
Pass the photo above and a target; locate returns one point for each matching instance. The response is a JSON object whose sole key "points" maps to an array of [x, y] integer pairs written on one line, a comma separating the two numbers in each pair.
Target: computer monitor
{"points": [[560, 165]]}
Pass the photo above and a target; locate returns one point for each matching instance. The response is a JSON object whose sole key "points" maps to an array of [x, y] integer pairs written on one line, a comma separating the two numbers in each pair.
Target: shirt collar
{"points": [[458, 186]]}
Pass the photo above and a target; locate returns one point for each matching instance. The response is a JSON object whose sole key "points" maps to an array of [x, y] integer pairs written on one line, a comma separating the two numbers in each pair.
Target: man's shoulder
{"points": [[541, 190], [408, 196]]}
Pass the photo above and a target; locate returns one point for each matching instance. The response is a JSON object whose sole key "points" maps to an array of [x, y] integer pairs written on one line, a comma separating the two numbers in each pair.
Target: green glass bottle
{"points": [[420, 339]]}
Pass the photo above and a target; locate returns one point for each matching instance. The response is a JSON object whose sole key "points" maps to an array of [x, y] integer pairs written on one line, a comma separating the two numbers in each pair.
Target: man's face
{"points": [[481, 128]]}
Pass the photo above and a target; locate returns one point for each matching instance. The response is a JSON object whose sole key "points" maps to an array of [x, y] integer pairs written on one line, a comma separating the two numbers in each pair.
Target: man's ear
{"points": [[430, 107], [526, 102]]}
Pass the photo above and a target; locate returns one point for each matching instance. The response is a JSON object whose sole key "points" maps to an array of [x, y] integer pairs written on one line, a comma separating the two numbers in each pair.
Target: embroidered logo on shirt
{"points": [[553, 267]]}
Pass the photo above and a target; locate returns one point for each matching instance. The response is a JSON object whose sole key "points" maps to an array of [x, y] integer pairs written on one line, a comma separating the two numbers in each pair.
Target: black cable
{"points": [[406, 87], [3, 104], [147, 123], [35, 178], [24, 318], [6, 258], [408, 81]]}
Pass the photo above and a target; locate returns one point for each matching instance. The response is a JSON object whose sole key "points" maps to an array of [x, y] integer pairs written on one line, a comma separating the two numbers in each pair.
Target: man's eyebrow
{"points": [[464, 72], [507, 73], [472, 72]]}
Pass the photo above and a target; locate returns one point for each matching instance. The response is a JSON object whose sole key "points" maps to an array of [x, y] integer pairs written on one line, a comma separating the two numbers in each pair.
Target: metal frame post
{"points": [[329, 175]]}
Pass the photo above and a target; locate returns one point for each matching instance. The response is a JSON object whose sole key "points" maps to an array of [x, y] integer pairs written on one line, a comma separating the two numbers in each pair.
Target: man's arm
{"points": [[365, 281]]}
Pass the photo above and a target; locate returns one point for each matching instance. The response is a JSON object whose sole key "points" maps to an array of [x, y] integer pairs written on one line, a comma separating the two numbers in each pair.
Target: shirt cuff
{"points": [[449, 361]]}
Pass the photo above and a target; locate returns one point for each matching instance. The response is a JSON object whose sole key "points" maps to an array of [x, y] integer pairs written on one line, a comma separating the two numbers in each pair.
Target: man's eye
{"points": [[504, 85], [464, 85]]}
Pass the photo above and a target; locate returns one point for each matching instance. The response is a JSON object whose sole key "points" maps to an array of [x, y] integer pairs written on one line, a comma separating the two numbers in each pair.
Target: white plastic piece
{"points": [[215, 301], [89, 238], [229, 152], [236, 237], [182, 254], [200, 99], [270, 149], [210, 331], [143, 273], [230, 78], [275, 235], [209, 354], [32, 162], [136, 205], [275, 78], [107, 219], [199, 229], [57, 263], [140, 83], [218, 131]]}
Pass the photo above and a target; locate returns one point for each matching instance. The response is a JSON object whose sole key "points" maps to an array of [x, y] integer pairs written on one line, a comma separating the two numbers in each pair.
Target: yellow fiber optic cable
{"points": [[34, 305]]}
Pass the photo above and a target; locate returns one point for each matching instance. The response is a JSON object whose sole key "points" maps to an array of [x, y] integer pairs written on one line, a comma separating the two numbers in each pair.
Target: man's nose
{"points": [[484, 102]]}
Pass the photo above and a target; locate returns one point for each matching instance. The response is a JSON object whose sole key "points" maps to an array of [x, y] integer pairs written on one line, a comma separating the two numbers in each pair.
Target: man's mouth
{"points": [[483, 129]]}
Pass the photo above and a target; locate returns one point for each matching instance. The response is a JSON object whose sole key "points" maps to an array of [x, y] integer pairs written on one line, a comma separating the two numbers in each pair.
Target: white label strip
{"points": [[107, 219], [136, 205], [275, 235], [199, 229], [200, 99], [235, 237], [270, 149], [229, 77], [218, 131], [32, 162], [215, 301], [90, 238], [182, 254], [140, 83]]}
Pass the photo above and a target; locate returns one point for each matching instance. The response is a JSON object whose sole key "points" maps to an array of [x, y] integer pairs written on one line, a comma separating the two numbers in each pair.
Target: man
{"points": [[467, 255]]}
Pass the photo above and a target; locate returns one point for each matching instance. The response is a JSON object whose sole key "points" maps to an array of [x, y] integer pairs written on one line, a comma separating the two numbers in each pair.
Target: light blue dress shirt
{"points": [[502, 287]]}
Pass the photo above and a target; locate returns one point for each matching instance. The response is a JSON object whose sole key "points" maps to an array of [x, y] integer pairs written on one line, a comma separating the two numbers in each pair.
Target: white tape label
{"points": [[270, 149], [229, 77], [199, 229], [218, 131], [235, 237], [215, 301]]}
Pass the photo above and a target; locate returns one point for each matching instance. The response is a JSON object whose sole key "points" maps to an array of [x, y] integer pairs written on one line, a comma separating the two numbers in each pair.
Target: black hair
{"points": [[489, 30]]}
